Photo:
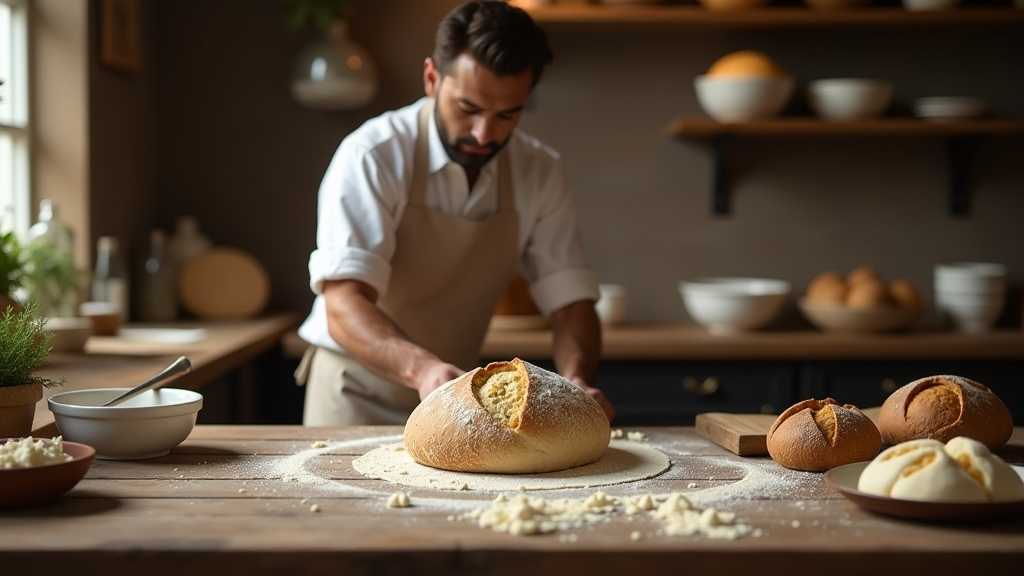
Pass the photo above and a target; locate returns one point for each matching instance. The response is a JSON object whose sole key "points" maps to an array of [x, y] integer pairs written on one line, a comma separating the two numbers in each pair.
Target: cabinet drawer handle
{"points": [[705, 388], [889, 386]]}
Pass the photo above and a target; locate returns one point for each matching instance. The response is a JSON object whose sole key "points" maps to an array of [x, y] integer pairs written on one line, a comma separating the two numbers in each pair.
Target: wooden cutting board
{"points": [[741, 434], [745, 434]]}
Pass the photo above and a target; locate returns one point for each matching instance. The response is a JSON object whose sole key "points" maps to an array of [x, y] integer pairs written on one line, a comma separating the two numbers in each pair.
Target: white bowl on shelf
{"points": [[742, 98], [926, 5], [973, 277], [611, 306], [146, 426], [847, 99], [731, 305], [970, 313], [947, 108]]}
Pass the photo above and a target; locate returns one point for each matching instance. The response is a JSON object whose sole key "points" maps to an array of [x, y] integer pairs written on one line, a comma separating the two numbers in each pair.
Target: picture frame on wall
{"points": [[120, 42]]}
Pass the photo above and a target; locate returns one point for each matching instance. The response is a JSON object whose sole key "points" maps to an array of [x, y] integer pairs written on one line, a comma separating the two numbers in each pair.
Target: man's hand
{"points": [[436, 376], [596, 394]]}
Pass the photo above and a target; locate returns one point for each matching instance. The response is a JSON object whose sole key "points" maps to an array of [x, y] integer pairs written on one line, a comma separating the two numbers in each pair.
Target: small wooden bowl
{"points": [[29, 487]]}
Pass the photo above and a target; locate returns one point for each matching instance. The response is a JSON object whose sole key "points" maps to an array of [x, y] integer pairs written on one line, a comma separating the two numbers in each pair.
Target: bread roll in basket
{"points": [[508, 418]]}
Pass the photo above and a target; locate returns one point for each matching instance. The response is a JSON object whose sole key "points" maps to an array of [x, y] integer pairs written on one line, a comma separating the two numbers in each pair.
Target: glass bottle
{"points": [[51, 279], [158, 298], [110, 284], [187, 242]]}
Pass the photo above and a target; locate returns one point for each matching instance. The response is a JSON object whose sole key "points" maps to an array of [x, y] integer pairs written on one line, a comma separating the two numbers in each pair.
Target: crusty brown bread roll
{"points": [[944, 407], [816, 435], [510, 418]]}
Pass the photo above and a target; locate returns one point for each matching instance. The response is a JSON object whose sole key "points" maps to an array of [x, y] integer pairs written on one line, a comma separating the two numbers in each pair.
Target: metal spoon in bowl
{"points": [[179, 367]]}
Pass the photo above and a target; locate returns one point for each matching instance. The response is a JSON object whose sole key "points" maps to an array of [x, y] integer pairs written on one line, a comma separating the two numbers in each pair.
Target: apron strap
{"points": [[418, 193], [508, 204]]}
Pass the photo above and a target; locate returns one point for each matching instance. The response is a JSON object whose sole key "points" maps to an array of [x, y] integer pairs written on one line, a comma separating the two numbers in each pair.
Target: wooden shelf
{"points": [[964, 137], [771, 17], [700, 127]]}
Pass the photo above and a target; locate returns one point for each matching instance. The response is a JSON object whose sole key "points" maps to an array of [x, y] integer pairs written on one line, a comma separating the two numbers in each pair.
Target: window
{"points": [[15, 212]]}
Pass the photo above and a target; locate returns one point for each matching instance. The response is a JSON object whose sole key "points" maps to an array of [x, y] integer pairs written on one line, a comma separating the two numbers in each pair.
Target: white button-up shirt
{"points": [[366, 188]]}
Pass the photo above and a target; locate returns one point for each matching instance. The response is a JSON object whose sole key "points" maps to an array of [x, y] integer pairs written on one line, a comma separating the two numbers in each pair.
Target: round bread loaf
{"points": [[816, 435], [509, 418], [944, 407]]}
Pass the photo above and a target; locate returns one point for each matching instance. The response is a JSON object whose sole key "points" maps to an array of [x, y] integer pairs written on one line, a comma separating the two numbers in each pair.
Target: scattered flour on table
{"points": [[524, 515], [622, 462]]}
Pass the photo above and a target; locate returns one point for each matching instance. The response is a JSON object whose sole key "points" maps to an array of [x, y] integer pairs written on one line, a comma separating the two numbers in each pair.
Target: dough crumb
{"points": [[691, 485], [241, 490], [635, 535], [682, 518], [635, 436], [314, 508], [464, 486], [616, 434], [319, 444], [398, 500]]}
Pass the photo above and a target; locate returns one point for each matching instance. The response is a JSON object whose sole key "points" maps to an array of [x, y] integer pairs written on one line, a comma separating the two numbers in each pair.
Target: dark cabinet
{"points": [[672, 393], [867, 384]]}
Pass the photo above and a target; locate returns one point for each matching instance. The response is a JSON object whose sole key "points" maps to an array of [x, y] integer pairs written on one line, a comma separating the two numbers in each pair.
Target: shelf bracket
{"points": [[720, 175], [962, 152]]}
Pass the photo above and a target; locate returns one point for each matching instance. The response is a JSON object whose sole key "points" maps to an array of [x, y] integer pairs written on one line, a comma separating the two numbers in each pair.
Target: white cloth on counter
{"points": [[366, 188]]}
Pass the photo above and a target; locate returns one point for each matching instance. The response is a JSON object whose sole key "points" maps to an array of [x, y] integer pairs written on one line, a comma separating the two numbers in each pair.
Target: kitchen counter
{"points": [[680, 341], [112, 362], [240, 500]]}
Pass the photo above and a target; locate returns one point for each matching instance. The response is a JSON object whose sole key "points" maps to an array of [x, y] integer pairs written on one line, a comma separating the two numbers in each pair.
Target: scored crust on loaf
{"points": [[943, 407], [816, 435], [508, 417]]}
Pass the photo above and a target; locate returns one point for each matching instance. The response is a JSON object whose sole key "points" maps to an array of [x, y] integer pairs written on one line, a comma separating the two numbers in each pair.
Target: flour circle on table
{"points": [[622, 462]]}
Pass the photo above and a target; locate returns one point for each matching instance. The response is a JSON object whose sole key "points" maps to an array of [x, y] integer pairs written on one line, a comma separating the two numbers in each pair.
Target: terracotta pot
{"points": [[18, 409]]}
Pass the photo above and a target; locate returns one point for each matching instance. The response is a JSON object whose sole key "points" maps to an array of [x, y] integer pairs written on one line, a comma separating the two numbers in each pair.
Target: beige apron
{"points": [[447, 274]]}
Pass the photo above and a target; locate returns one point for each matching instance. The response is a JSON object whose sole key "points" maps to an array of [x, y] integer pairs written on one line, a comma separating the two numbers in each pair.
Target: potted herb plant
{"points": [[23, 347]]}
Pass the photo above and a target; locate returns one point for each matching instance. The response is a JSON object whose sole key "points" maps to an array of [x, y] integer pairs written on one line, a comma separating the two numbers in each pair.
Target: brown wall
{"points": [[210, 129]]}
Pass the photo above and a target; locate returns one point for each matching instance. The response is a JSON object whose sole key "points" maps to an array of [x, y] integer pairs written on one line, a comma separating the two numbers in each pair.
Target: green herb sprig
{"points": [[23, 347]]}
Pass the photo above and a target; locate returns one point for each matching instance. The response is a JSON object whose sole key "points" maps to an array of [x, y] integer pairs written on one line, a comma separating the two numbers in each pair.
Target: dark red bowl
{"points": [[28, 487]]}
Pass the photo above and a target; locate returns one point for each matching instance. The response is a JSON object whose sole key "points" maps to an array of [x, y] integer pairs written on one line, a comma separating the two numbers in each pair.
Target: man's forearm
{"points": [[577, 340], [358, 326]]}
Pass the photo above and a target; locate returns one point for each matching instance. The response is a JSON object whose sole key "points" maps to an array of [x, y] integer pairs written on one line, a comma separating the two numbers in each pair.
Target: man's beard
{"points": [[465, 159]]}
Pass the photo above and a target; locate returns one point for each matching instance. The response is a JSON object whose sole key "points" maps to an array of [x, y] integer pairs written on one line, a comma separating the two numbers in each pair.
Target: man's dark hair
{"points": [[503, 38]]}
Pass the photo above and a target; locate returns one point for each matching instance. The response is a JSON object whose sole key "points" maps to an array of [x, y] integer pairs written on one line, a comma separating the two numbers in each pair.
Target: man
{"points": [[425, 214]]}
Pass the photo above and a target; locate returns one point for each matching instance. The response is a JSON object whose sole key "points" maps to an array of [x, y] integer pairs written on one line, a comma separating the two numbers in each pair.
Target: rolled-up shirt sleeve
{"points": [[355, 221], [554, 261]]}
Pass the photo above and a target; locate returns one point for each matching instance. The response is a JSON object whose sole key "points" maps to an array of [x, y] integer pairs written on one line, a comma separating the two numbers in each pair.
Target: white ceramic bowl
{"points": [[69, 334], [925, 5], [971, 277], [837, 318], [146, 426], [949, 108], [731, 305], [611, 307], [970, 313], [742, 98], [849, 98]]}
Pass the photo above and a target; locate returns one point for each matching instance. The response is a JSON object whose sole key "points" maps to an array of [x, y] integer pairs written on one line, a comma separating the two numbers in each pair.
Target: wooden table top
{"points": [[113, 362], [238, 500]]}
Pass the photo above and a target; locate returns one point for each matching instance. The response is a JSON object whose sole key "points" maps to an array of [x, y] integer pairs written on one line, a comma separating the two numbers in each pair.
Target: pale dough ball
{"points": [[999, 480], [920, 470]]}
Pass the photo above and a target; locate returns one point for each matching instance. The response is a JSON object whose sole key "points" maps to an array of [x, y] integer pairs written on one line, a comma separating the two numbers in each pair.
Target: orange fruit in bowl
{"points": [[745, 63]]}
